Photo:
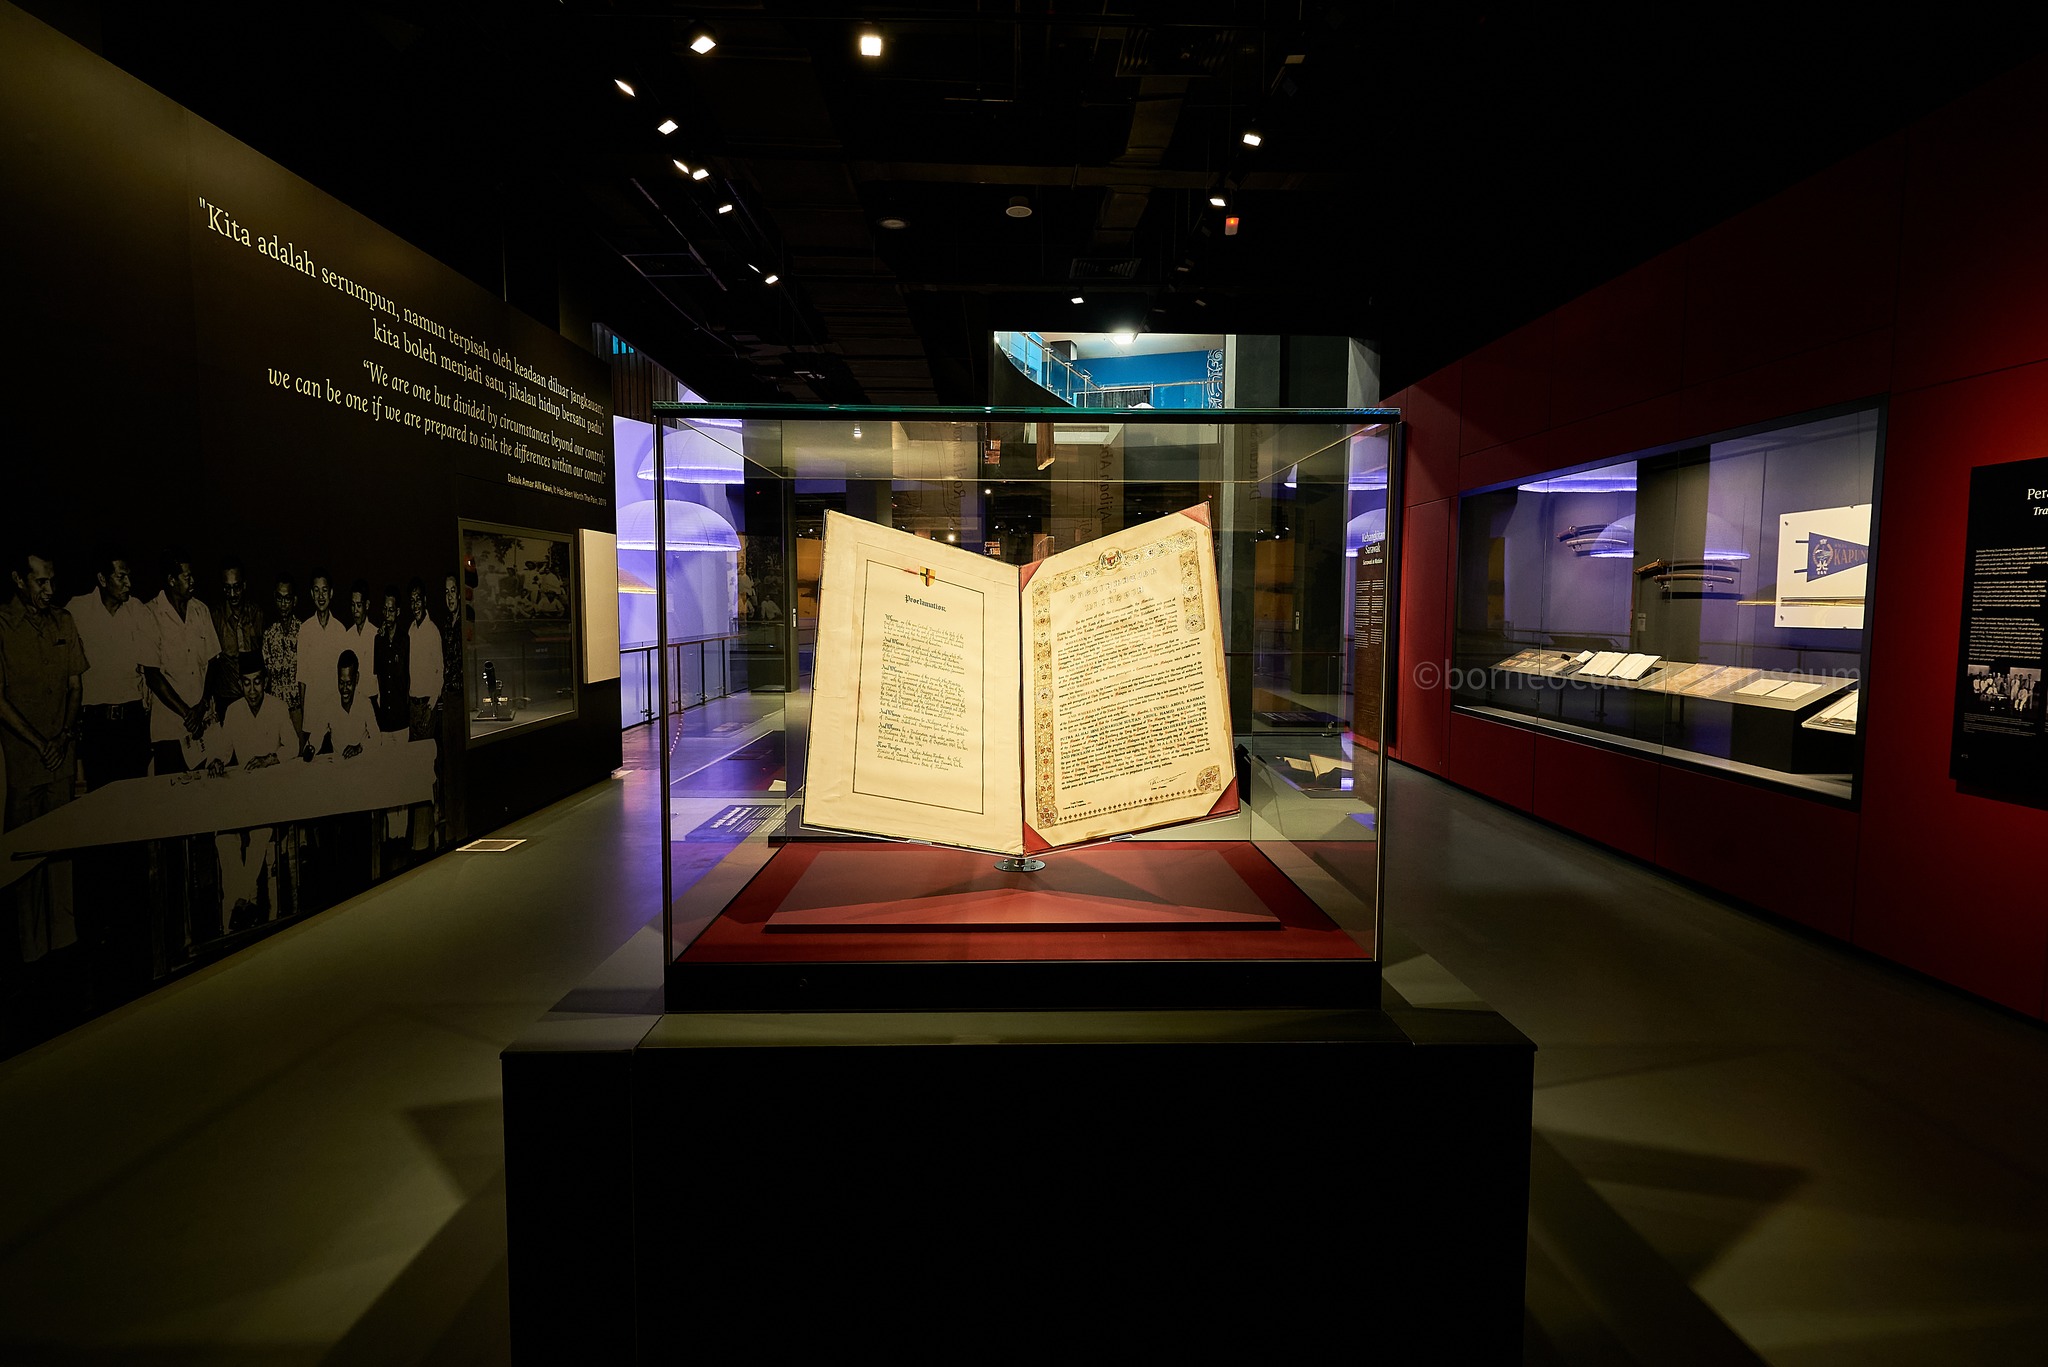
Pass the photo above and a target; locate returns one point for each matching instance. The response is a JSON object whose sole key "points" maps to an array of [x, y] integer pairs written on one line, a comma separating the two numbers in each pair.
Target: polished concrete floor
{"points": [[1748, 1145]]}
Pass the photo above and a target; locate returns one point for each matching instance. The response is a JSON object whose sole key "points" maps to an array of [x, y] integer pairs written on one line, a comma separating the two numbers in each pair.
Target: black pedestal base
{"points": [[994, 1186]]}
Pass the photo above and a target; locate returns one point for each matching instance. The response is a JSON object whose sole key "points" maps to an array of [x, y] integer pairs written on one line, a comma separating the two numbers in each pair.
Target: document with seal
{"points": [[963, 701]]}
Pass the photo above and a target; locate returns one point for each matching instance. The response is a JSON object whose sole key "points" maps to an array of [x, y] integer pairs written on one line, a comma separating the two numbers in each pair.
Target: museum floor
{"points": [[1748, 1145]]}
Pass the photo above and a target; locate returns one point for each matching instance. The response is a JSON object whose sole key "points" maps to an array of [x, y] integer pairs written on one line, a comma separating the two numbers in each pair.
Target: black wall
{"points": [[164, 280]]}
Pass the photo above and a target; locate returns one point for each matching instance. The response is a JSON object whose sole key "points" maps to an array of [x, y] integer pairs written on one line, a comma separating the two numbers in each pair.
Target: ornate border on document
{"points": [[1108, 563]]}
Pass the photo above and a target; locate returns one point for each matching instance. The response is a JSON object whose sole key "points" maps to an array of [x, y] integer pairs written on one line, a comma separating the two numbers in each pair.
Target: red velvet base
{"points": [[803, 879], [1090, 889]]}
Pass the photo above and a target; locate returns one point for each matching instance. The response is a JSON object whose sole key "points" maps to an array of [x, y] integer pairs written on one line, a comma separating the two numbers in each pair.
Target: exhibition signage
{"points": [[1998, 742]]}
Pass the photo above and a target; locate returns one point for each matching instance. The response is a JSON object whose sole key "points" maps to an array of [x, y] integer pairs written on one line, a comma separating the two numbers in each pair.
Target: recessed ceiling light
{"points": [[1075, 300], [1295, 59], [1218, 201], [893, 222], [754, 268], [1123, 338], [1201, 303], [681, 166], [725, 208], [770, 278], [1020, 207], [870, 43], [1252, 139], [666, 127], [623, 87], [702, 40], [699, 173]]}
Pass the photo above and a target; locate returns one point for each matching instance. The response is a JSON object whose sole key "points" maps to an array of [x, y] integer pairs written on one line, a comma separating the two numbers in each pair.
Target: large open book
{"points": [[963, 701]]}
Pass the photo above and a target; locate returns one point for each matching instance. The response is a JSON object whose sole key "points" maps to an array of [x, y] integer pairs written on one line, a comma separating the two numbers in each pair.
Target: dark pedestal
{"points": [[983, 1186]]}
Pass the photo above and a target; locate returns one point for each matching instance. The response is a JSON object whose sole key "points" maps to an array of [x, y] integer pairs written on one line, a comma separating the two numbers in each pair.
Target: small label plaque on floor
{"points": [[735, 822], [488, 846]]}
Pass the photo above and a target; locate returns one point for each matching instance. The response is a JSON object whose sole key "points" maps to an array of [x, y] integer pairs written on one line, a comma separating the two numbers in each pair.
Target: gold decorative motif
{"points": [[1210, 780]]}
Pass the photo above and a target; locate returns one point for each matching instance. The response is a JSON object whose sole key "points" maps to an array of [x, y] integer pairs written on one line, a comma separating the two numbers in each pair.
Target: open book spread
{"points": [[963, 701]]}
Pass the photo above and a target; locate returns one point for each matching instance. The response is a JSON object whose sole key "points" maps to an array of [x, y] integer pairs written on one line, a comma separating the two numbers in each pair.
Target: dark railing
{"points": [[699, 669]]}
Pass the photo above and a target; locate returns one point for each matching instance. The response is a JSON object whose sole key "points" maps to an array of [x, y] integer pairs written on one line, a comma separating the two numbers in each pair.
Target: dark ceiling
{"points": [[1431, 175]]}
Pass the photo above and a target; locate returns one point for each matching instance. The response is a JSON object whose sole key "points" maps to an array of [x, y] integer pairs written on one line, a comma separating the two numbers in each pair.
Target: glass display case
{"points": [[1274, 902], [1704, 602]]}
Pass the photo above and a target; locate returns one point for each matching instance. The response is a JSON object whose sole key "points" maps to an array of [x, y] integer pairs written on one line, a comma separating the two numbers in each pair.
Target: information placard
{"points": [[1998, 741]]}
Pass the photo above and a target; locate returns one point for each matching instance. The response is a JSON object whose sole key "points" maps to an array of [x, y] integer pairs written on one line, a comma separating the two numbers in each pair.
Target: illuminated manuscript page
{"points": [[914, 728], [1126, 711]]}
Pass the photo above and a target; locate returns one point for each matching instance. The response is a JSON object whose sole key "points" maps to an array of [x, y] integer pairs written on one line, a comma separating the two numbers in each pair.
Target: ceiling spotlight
{"points": [[1217, 200], [870, 43], [770, 278], [1123, 338], [952, 536], [1020, 207], [1201, 303], [702, 40], [1252, 139], [666, 127], [699, 173], [624, 89], [681, 166], [892, 223], [725, 208], [1075, 300]]}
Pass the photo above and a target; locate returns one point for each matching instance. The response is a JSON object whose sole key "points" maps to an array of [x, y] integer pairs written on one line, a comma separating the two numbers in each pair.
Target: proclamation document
{"points": [[963, 701], [1126, 709], [914, 719]]}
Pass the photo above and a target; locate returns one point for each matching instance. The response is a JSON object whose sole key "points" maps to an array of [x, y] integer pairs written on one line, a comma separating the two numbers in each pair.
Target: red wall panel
{"points": [[1491, 758], [1602, 795], [1506, 391], [1811, 266], [1951, 881], [1431, 409], [1917, 263], [1618, 432], [1783, 853], [1973, 289], [1621, 343], [1854, 368], [1423, 703]]}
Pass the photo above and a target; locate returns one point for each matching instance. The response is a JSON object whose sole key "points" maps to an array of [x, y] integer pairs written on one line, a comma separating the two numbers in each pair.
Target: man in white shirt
{"points": [[185, 645], [255, 733], [120, 642], [322, 638], [351, 726], [423, 672], [362, 637]]}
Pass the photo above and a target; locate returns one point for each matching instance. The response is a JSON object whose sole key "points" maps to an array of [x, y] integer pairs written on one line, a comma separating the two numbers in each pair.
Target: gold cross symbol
{"points": [[926, 575]]}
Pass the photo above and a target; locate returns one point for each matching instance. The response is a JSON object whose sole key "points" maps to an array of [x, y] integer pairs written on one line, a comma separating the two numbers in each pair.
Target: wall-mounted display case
{"points": [[1274, 905], [1704, 603]]}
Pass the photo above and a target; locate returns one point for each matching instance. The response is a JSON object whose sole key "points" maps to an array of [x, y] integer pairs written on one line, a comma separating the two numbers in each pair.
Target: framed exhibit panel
{"points": [[1704, 603], [520, 625], [1048, 706], [597, 570]]}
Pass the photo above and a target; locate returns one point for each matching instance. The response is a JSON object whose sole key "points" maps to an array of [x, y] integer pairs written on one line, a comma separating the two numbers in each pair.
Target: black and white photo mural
{"points": [[236, 673]]}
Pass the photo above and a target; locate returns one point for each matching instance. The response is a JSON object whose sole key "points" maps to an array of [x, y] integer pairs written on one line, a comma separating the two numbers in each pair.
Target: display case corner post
{"points": [[660, 736]]}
